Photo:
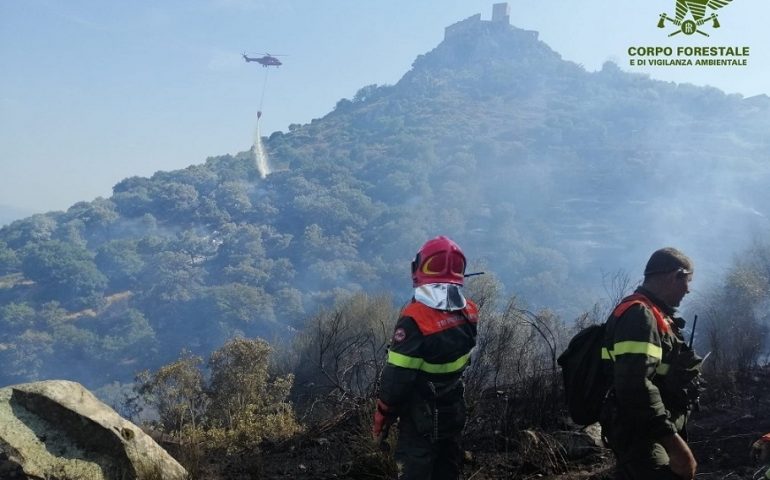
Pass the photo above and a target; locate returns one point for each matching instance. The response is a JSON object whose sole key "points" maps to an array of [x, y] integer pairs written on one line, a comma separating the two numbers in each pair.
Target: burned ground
{"points": [[732, 415]]}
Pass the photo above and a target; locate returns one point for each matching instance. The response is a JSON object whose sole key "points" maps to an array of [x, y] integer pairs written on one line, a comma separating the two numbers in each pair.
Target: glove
{"points": [[384, 416], [760, 450]]}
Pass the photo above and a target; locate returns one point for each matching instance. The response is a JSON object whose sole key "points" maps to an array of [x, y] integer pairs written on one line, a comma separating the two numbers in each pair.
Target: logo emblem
{"points": [[426, 266], [697, 11], [399, 335]]}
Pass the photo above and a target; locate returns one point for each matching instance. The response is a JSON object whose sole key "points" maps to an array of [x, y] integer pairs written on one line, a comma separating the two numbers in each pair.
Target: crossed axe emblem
{"points": [[688, 27]]}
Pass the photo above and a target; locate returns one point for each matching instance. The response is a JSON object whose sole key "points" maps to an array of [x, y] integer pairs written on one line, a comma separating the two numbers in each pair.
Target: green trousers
{"points": [[643, 460], [638, 457]]}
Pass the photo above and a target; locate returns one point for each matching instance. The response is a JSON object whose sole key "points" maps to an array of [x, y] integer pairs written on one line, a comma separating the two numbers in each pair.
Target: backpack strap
{"points": [[638, 298]]}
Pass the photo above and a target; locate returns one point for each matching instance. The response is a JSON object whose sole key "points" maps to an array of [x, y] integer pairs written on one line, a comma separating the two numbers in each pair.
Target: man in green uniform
{"points": [[421, 383], [654, 375]]}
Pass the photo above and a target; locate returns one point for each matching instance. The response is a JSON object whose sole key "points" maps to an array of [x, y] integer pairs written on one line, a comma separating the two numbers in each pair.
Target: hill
{"points": [[549, 176]]}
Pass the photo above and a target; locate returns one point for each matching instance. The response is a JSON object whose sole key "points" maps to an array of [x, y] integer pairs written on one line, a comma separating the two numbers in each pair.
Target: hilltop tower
{"points": [[501, 12], [501, 20]]}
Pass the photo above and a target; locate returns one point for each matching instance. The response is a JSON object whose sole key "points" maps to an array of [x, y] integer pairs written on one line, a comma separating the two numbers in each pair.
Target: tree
{"points": [[736, 327], [247, 403], [9, 261], [65, 272], [23, 343], [172, 277], [343, 350], [120, 262], [289, 306], [241, 405], [173, 200], [24, 355], [177, 391], [15, 316], [239, 256], [233, 197], [95, 215], [129, 336], [198, 247], [365, 94], [37, 228], [515, 357], [132, 196]]}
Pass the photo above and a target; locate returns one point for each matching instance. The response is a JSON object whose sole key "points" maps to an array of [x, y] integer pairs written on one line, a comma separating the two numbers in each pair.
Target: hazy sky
{"points": [[95, 91]]}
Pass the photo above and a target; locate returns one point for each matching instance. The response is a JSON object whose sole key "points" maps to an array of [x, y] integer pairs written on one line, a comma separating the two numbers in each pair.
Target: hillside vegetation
{"points": [[549, 176]]}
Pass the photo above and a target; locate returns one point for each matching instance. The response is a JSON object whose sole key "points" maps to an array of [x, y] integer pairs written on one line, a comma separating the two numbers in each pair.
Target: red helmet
{"points": [[440, 260]]}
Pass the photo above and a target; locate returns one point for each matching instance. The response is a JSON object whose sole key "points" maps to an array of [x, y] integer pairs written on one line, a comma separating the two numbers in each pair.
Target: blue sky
{"points": [[96, 91]]}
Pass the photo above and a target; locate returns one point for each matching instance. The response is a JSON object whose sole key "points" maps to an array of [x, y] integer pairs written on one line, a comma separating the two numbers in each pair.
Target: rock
{"points": [[579, 444], [58, 430]]}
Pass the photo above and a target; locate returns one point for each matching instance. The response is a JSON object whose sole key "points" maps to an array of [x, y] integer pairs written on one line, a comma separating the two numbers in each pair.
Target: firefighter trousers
{"points": [[420, 458]]}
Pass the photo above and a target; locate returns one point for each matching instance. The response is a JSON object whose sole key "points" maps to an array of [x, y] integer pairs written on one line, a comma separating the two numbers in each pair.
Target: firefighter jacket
{"points": [[428, 353], [653, 371]]}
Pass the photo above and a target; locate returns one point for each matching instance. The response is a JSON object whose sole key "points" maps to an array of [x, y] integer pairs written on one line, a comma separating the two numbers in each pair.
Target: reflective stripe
{"points": [[649, 349], [405, 361], [606, 354], [662, 369], [767, 473]]}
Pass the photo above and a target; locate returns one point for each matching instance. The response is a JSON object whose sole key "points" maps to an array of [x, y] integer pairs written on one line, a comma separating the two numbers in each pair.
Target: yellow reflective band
{"points": [[414, 363], [606, 354], [649, 349], [767, 473], [662, 369], [404, 361]]}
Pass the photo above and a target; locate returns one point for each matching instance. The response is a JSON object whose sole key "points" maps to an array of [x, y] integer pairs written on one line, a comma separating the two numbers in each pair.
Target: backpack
{"points": [[585, 382]]}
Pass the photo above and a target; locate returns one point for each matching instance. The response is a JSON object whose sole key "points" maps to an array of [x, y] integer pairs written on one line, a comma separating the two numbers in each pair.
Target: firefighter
{"points": [[421, 384], [654, 375]]}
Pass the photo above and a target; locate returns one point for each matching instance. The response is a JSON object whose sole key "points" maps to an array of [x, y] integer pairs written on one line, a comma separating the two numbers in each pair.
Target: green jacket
{"points": [[652, 368]]}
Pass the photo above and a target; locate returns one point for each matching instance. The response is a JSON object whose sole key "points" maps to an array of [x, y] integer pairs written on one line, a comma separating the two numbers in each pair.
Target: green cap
{"points": [[667, 260]]}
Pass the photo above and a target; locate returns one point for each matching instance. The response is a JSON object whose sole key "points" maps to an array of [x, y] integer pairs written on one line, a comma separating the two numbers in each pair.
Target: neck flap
{"points": [[441, 296]]}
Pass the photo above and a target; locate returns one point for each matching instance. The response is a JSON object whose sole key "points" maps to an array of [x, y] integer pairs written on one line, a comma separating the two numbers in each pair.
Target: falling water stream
{"points": [[260, 155]]}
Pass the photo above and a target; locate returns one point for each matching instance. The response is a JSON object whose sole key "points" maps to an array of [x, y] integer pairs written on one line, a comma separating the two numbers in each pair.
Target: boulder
{"points": [[58, 430], [582, 443], [571, 444]]}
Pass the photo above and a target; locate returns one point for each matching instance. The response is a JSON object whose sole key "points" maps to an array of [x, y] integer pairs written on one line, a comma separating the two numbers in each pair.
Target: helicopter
{"points": [[266, 61]]}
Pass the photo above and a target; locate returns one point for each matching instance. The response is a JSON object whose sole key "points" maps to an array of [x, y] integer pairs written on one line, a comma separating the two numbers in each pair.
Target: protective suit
{"points": [[421, 384]]}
